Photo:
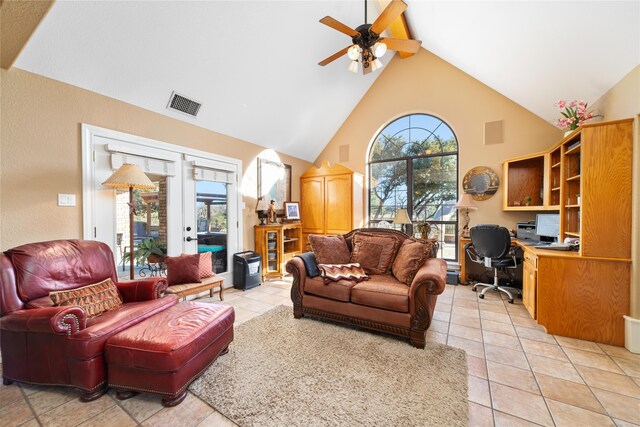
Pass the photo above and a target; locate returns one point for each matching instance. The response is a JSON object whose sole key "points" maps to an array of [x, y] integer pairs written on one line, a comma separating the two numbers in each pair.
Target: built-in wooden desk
{"points": [[572, 295]]}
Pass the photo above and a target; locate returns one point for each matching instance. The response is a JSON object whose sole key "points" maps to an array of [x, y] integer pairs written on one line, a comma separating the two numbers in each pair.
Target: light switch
{"points": [[66, 199]]}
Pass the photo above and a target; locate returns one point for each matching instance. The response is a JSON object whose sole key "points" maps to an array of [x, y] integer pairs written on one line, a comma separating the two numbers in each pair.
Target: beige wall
{"points": [[425, 83], [41, 153], [621, 102]]}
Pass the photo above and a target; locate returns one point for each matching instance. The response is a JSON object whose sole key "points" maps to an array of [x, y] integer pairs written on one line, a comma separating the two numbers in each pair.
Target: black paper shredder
{"points": [[247, 270]]}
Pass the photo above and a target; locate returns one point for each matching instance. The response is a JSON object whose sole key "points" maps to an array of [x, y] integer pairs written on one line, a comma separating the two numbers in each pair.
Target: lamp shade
{"points": [[262, 205], [466, 202], [402, 217], [129, 175]]}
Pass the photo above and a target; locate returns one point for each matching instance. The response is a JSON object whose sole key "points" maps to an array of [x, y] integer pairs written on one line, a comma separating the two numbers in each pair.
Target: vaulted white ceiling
{"points": [[253, 64]]}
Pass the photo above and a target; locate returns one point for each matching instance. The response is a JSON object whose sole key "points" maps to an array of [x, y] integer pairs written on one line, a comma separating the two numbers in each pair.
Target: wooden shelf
{"points": [[571, 206], [574, 178], [557, 165], [574, 150], [290, 239], [553, 207], [525, 208], [555, 189], [572, 233]]}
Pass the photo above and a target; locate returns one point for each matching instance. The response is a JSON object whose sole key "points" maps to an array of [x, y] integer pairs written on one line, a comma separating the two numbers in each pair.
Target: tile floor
{"points": [[518, 374]]}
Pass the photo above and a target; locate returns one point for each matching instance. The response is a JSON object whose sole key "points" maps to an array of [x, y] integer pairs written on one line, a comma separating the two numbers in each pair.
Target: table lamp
{"points": [[465, 204], [402, 217], [130, 176], [262, 208]]}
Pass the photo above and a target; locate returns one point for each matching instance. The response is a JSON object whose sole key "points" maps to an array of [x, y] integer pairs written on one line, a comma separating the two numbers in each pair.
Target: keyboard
{"points": [[555, 247]]}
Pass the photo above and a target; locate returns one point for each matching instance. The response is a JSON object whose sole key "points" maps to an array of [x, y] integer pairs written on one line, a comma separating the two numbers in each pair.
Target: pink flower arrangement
{"points": [[574, 114]]}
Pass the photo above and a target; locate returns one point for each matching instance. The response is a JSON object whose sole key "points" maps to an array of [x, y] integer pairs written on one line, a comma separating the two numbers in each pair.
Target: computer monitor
{"points": [[547, 227]]}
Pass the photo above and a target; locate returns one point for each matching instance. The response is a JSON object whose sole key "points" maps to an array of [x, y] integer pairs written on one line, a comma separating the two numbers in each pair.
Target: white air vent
{"points": [[183, 104]]}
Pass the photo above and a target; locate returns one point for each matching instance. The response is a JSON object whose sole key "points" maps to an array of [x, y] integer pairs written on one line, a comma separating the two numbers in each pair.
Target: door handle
{"points": [[189, 238]]}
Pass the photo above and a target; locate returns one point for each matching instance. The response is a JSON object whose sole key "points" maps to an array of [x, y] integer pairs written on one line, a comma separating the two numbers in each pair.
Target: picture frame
{"points": [[274, 182], [292, 210]]}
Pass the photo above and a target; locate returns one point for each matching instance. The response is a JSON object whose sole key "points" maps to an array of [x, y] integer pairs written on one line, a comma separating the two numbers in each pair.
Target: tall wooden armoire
{"points": [[331, 200]]}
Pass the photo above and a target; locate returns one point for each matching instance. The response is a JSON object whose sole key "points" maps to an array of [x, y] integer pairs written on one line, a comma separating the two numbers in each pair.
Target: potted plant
{"points": [[527, 200], [574, 114], [150, 250]]}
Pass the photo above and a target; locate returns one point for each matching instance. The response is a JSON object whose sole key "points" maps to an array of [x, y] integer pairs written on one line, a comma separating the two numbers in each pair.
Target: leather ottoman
{"points": [[166, 352]]}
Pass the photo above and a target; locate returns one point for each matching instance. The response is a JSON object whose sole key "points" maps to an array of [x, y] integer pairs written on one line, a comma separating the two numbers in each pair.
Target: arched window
{"points": [[413, 165]]}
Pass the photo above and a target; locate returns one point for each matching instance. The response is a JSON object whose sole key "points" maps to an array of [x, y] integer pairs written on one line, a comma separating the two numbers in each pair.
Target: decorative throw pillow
{"points": [[335, 272], [410, 257], [94, 299], [374, 252], [330, 249], [183, 269], [206, 265]]}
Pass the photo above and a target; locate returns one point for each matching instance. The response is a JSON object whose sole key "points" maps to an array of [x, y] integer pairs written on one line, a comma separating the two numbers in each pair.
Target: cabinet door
{"points": [[312, 204], [338, 204], [529, 285], [273, 243]]}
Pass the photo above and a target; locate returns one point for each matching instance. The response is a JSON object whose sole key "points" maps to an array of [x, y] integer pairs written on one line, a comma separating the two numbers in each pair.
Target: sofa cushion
{"points": [[339, 291], [329, 249], [374, 252], [183, 269], [335, 272], [94, 299], [382, 291], [409, 259]]}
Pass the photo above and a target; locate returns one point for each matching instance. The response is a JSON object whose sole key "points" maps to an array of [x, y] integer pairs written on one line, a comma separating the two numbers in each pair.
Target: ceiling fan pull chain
{"points": [[365, 11]]}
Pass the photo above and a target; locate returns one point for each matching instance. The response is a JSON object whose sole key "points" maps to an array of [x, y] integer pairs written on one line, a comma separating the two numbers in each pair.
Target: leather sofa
{"points": [[46, 344], [381, 303]]}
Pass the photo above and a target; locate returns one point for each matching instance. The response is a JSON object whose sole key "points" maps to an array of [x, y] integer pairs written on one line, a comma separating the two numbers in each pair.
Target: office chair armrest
{"points": [[473, 255]]}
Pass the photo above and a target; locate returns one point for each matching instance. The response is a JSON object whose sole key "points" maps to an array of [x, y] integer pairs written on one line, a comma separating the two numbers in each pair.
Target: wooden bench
{"points": [[207, 284]]}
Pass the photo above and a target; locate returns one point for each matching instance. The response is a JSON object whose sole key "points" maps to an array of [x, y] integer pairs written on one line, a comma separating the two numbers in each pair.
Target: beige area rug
{"points": [[286, 372]]}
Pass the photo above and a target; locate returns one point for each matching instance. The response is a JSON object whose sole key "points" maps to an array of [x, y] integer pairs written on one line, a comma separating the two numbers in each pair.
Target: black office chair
{"points": [[491, 246]]}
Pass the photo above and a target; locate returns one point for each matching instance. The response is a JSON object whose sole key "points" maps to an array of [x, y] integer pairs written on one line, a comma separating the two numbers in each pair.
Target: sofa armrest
{"points": [[66, 320], [142, 289], [295, 266], [432, 275]]}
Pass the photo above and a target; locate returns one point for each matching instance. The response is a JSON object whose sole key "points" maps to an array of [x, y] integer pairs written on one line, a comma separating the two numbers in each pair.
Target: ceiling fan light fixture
{"points": [[379, 49], [354, 52], [376, 64], [353, 66]]}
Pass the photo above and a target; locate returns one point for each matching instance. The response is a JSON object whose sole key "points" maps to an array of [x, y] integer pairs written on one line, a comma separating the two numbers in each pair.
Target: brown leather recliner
{"points": [[44, 344], [381, 303]]}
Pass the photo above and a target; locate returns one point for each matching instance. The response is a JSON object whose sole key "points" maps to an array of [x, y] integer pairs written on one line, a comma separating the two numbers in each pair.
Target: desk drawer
{"points": [[531, 259]]}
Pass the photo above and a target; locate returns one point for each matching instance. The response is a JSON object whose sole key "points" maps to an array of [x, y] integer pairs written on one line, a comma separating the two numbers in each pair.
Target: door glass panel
{"points": [[211, 222]]}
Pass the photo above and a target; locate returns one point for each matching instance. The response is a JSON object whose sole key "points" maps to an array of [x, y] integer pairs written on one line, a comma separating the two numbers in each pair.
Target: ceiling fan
{"points": [[367, 45]]}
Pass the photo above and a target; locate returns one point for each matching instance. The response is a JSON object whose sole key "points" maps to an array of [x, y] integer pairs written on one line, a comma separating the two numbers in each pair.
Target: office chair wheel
{"points": [[481, 296], [510, 301]]}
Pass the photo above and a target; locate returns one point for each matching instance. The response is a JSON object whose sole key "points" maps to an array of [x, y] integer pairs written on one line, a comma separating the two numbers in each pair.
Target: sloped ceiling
{"points": [[253, 64]]}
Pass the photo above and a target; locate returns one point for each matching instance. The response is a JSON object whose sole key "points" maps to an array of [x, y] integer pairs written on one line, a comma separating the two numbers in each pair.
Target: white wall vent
{"points": [[183, 104]]}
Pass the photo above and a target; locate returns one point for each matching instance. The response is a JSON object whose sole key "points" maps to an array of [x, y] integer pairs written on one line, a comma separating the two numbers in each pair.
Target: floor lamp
{"points": [[130, 176]]}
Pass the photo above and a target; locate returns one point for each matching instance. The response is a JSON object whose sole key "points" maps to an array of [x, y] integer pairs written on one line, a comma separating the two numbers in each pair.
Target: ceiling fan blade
{"points": [[388, 15], [334, 56], [402, 45], [337, 25]]}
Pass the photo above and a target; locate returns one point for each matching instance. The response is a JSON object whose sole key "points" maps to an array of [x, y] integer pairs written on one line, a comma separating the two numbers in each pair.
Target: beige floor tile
{"points": [[463, 311], [494, 308], [534, 334], [570, 416], [267, 289], [45, 400], [593, 360], [75, 412], [441, 316], [517, 310], [619, 352], [31, 423], [539, 348], [478, 391], [579, 344], [501, 340], [191, 412], [142, 406], [465, 332], [467, 303], [636, 380], [609, 381], [471, 322], [506, 356], [114, 416], [480, 416], [630, 366], [9, 394], [30, 389], [520, 403], [495, 317], [285, 301], [432, 336], [477, 366], [569, 392], [499, 327], [621, 423], [522, 379], [253, 305], [554, 368], [619, 406], [16, 413], [217, 420], [438, 326], [526, 322], [442, 306], [505, 420], [473, 348]]}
